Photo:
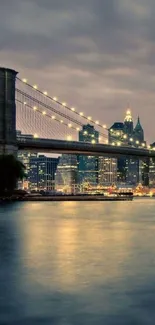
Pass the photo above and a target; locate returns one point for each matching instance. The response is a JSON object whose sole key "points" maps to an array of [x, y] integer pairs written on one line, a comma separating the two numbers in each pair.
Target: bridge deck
{"points": [[74, 147]]}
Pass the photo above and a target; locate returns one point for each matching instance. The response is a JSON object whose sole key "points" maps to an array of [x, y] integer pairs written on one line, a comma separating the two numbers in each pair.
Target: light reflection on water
{"points": [[77, 263]]}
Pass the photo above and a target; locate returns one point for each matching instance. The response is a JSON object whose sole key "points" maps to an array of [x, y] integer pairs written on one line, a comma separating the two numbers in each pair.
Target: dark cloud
{"points": [[92, 53]]}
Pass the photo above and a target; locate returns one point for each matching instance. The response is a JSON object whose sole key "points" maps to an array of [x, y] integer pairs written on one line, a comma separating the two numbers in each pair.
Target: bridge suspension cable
{"points": [[63, 104]]}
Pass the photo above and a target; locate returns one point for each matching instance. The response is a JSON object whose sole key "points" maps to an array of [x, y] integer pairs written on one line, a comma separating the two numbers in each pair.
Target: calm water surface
{"points": [[77, 263]]}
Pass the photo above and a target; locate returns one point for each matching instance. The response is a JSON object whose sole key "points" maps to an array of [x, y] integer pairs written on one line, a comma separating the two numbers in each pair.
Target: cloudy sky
{"points": [[98, 55]]}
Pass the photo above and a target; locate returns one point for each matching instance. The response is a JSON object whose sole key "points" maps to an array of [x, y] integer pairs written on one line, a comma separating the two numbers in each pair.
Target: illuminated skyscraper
{"points": [[66, 173], [88, 165]]}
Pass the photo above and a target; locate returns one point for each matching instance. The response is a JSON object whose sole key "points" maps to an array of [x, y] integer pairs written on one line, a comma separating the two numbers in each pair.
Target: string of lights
{"points": [[64, 104], [49, 107]]}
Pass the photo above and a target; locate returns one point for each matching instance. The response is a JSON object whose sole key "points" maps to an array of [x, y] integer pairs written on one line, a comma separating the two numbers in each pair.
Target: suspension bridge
{"points": [[49, 124]]}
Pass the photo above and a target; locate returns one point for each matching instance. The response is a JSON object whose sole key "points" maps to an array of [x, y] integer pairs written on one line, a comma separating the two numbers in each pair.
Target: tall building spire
{"points": [[138, 130], [128, 122], [128, 117]]}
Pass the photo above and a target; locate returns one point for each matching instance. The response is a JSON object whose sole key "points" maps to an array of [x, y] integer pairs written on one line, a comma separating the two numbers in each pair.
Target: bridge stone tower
{"points": [[7, 111]]}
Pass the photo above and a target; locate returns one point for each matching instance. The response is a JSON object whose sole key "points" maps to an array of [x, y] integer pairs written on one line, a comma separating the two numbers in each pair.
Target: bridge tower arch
{"points": [[7, 111]]}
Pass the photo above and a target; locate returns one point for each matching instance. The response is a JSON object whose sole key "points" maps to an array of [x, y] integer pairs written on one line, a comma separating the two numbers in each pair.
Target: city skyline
{"points": [[84, 56]]}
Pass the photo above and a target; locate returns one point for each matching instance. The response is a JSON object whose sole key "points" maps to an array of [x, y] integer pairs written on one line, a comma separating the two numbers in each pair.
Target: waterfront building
{"points": [[107, 171], [42, 173], [66, 174], [88, 165]]}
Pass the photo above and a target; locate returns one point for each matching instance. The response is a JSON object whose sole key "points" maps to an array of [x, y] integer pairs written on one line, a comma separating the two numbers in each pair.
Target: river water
{"points": [[77, 263]]}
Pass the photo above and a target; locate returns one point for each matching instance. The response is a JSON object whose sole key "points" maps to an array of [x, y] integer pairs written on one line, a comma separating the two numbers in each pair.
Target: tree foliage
{"points": [[11, 170]]}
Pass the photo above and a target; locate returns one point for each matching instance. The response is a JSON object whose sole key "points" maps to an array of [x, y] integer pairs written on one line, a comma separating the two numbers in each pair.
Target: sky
{"points": [[96, 55]]}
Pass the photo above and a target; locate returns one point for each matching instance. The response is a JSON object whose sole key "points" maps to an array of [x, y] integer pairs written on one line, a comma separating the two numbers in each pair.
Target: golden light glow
{"points": [[45, 93], [128, 112], [24, 80], [69, 137], [131, 139], [35, 135], [35, 108], [78, 129], [64, 104], [118, 133], [125, 136], [69, 125], [89, 118], [53, 117], [113, 144], [35, 86], [81, 113], [61, 121], [73, 109], [97, 122], [44, 113], [137, 142], [148, 147], [118, 144], [104, 126], [107, 141], [143, 144], [93, 141], [85, 132], [25, 103], [55, 98]]}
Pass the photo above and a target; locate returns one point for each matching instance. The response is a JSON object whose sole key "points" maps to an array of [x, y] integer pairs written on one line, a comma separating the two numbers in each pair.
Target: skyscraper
{"points": [[66, 173], [88, 165], [138, 132], [107, 171], [42, 172]]}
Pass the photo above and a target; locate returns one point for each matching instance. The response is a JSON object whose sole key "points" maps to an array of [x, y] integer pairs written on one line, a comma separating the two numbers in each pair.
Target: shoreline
{"points": [[68, 198]]}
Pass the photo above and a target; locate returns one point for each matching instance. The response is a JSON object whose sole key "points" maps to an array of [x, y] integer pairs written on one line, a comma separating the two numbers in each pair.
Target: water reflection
{"points": [[77, 263]]}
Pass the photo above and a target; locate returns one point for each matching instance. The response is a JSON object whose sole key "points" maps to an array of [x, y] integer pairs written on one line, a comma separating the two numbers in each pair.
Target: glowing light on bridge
{"points": [[69, 125], [45, 93], [24, 80], [73, 109], [25, 103], [44, 113], [89, 118], [69, 138], [64, 104], [97, 122], [35, 86], [93, 141], [131, 139], [137, 142], [53, 117], [35, 136], [55, 99], [35, 108], [81, 114]]}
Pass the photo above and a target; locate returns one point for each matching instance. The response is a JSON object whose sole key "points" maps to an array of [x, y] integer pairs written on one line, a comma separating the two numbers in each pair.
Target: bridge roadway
{"points": [[75, 147]]}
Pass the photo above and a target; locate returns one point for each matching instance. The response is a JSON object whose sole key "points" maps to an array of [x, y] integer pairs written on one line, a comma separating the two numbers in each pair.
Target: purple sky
{"points": [[97, 55]]}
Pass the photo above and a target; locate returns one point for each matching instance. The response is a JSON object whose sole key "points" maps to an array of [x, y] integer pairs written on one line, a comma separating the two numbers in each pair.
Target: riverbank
{"points": [[74, 198]]}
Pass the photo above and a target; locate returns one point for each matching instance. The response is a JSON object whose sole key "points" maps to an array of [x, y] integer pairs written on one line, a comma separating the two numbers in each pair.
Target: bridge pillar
{"points": [[7, 111]]}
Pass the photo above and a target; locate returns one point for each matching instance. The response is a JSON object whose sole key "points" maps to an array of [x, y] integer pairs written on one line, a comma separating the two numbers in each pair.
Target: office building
{"points": [[107, 171], [88, 165], [42, 173], [66, 174]]}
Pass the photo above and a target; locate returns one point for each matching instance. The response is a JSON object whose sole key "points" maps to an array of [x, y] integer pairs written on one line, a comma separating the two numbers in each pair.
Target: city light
{"points": [[118, 143], [125, 136], [24, 80], [89, 118], [78, 129], [81, 113], [143, 144], [131, 139], [97, 122], [35, 135], [137, 142], [35, 86], [73, 109], [61, 121], [45, 93], [93, 141], [85, 132], [44, 113], [69, 138], [104, 126], [35, 108], [69, 125], [64, 104], [53, 117], [113, 143], [55, 98], [25, 103]]}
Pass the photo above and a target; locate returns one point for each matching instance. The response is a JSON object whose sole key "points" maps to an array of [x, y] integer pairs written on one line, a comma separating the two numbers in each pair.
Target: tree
{"points": [[11, 170]]}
